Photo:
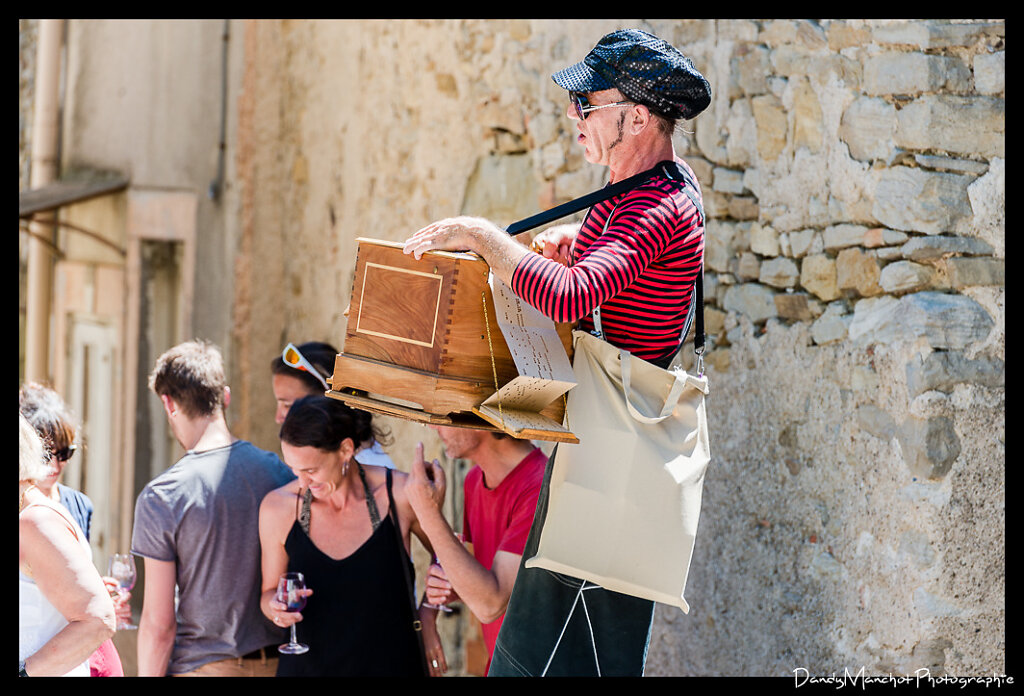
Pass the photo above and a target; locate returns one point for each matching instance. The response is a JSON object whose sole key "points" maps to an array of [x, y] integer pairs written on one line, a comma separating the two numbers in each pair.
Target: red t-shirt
{"points": [[500, 519]]}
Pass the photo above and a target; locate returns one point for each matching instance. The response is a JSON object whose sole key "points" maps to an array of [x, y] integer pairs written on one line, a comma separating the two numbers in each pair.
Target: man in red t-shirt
{"points": [[501, 493]]}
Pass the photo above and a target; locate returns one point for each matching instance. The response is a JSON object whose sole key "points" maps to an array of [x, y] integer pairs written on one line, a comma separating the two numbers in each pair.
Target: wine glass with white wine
{"points": [[122, 568]]}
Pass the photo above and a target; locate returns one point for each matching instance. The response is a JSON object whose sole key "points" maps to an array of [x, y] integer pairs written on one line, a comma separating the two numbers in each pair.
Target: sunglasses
{"points": [[583, 107], [62, 455], [293, 358]]}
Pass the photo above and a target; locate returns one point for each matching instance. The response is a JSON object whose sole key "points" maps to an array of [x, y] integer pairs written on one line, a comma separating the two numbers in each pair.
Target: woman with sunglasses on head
{"points": [[56, 426], [64, 610], [346, 526], [302, 371]]}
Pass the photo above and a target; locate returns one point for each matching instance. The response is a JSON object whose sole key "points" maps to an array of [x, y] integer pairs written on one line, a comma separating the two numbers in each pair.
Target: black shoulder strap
{"points": [[698, 285], [673, 171], [583, 202]]}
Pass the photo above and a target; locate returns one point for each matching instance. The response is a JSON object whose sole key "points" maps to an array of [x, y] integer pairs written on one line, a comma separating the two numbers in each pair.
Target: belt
{"points": [[258, 654]]}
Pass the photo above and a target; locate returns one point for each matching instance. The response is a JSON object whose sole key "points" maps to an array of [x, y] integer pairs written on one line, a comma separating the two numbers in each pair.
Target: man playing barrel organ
{"points": [[626, 274]]}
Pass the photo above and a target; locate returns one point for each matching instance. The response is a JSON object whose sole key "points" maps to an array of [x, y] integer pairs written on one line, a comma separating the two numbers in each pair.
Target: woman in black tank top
{"points": [[345, 527]]}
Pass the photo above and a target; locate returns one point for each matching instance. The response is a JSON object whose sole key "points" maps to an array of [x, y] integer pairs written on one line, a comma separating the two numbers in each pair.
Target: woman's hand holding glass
{"points": [[285, 608], [438, 589], [120, 579]]}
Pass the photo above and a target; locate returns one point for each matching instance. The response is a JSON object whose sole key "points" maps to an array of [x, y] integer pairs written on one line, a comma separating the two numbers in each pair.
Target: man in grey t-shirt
{"points": [[196, 526]]}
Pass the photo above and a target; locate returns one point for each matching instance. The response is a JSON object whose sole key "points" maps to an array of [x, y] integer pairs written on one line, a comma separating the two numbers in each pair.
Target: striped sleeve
{"points": [[639, 232]]}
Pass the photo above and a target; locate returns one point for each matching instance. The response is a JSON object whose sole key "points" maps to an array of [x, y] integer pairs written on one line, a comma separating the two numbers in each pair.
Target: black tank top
{"points": [[358, 621]]}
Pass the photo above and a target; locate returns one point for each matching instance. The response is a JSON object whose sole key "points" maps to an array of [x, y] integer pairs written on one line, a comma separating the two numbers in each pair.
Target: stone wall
{"points": [[854, 514]]}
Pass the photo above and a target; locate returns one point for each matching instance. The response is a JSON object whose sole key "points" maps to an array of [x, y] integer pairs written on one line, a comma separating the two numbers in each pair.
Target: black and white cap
{"points": [[646, 69]]}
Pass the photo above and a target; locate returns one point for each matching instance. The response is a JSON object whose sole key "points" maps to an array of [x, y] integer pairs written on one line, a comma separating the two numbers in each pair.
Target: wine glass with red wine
{"points": [[290, 593]]}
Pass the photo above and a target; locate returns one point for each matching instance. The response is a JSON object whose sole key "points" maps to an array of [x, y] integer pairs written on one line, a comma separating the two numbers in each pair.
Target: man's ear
{"points": [[227, 396], [641, 118], [170, 406]]}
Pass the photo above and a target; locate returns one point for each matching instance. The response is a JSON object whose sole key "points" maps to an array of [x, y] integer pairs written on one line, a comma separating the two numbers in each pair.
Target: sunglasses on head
{"points": [[293, 358], [64, 454], [583, 107]]}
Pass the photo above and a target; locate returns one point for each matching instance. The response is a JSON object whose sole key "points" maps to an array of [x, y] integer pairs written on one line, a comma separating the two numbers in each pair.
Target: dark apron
{"points": [[556, 625]]}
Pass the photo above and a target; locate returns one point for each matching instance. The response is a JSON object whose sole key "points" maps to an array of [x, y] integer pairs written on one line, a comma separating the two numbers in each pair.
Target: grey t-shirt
{"points": [[203, 514]]}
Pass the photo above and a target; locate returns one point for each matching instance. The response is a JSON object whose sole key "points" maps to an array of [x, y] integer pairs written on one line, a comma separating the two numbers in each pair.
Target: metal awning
{"points": [[61, 193]]}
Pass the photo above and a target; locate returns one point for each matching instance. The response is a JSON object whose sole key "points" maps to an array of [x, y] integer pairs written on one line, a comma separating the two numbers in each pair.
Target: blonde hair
{"points": [[33, 459]]}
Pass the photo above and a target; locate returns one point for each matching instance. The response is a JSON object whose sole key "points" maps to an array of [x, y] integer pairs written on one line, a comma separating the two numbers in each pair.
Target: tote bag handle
{"points": [[625, 359]]}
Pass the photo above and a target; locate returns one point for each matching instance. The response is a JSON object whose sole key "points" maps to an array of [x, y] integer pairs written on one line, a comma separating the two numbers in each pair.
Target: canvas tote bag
{"points": [[624, 502]]}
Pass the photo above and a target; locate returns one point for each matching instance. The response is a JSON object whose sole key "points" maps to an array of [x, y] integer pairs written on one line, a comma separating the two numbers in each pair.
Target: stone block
{"points": [[544, 128], [818, 276], [990, 73], [842, 236], [779, 273], [728, 180], [746, 267], [956, 124], [929, 446], [935, 33], [743, 208], [764, 240], [751, 68], [845, 35], [796, 306], [906, 276], [966, 272], [808, 126], [754, 301], [868, 127], [714, 321], [943, 370], [886, 254], [718, 360], [949, 322], [716, 205], [718, 245], [858, 271], [802, 242], [832, 325], [772, 126], [914, 200], [914, 73], [703, 170], [988, 201], [880, 236], [943, 246]]}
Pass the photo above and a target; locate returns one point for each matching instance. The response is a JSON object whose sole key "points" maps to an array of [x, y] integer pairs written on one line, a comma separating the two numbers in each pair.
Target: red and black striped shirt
{"points": [[636, 256]]}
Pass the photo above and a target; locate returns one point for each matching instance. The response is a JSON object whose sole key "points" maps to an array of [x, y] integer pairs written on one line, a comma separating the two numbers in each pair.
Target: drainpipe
{"points": [[44, 167], [214, 189]]}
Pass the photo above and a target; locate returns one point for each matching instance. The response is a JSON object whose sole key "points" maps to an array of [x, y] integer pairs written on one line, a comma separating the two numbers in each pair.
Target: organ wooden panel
{"points": [[422, 340]]}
